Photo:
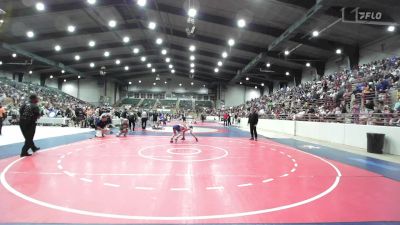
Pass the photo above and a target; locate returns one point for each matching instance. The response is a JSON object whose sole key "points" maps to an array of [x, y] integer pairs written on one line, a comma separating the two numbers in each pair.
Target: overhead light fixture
{"points": [[171, 66], [192, 12], [167, 60], [164, 51], [191, 83], [139, 81], [231, 42], [129, 82], [112, 23], [153, 70], [204, 85], [308, 64], [141, 3], [240, 82], [71, 28], [126, 68], [247, 78], [191, 70], [126, 39], [14, 55], [77, 57], [51, 76], [91, 2], [143, 59], [165, 82], [255, 87], [241, 23], [192, 58], [57, 48], [1, 62], [148, 65], [216, 70], [92, 43], [262, 84], [287, 73], [219, 63], [315, 33], [152, 25], [30, 72], [136, 50], [92, 64], [40, 6], [338, 51], [224, 54], [287, 52], [62, 71], [30, 34], [172, 71], [192, 48], [117, 61], [106, 53], [180, 85], [65, 80], [192, 65], [154, 84], [79, 77], [159, 41], [268, 65], [391, 28]]}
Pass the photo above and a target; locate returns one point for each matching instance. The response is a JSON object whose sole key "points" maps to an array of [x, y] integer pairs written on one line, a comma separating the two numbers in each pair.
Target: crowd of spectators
{"points": [[367, 95]]}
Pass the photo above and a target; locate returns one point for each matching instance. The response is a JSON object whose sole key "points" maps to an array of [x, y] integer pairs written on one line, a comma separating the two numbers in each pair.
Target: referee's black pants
{"points": [[253, 130], [28, 129]]}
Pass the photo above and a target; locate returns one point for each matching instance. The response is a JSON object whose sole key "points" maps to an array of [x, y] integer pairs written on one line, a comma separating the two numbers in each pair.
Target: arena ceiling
{"points": [[216, 22]]}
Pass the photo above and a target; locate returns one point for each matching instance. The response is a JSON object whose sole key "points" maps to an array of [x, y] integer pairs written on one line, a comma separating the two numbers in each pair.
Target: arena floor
{"points": [[223, 178]]}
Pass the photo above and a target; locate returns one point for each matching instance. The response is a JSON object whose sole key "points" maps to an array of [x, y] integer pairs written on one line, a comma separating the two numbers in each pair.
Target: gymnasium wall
{"points": [[346, 134], [6, 74], [308, 74], [336, 63], [31, 78], [388, 46], [239, 94]]}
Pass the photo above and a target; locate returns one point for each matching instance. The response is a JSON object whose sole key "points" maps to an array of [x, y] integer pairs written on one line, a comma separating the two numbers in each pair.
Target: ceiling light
{"points": [[241, 23], [240, 82], [129, 82], [141, 3], [268, 65], [315, 33], [30, 34], [154, 84], [112, 23], [172, 71], [126, 39], [339, 51], [51, 76], [247, 78], [192, 48], [192, 12], [79, 77], [255, 87], [143, 59], [30, 72], [57, 48], [152, 25], [308, 64], [191, 83], [65, 80], [77, 57], [167, 60], [71, 28], [204, 85], [92, 2], [135, 50], [287, 73], [159, 41], [40, 6], [148, 65], [287, 52], [14, 55], [171, 66], [106, 54], [192, 65], [216, 70], [126, 68], [180, 85], [92, 43], [165, 82], [164, 52], [191, 70], [192, 58], [140, 81], [117, 61], [62, 71], [1, 62], [153, 70], [219, 63], [231, 42], [224, 55], [391, 28], [262, 84], [92, 64]]}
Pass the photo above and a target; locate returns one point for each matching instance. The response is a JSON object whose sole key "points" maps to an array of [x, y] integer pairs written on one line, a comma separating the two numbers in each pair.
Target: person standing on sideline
{"points": [[144, 120], [29, 113], [3, 116], [253, 120]]}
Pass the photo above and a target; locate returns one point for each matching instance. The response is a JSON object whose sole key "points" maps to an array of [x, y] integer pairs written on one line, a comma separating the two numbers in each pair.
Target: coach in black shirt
{"points": [[253, 120], [29, 113]]}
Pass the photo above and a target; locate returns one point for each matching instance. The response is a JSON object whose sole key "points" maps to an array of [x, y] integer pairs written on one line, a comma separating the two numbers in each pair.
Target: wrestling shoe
{"points": [[35, 149], [26, 154]]}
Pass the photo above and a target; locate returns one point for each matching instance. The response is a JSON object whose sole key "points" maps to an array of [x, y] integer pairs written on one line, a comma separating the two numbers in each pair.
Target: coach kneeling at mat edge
{"points": [[253, 120]]}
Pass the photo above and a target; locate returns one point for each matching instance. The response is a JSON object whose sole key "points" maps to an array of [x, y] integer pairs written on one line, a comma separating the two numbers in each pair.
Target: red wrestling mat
{"points": [[218, 180]]}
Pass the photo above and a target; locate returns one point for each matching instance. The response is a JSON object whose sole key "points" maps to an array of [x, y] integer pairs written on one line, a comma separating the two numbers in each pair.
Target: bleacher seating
{"points": [[130, 101], [185, 104]]}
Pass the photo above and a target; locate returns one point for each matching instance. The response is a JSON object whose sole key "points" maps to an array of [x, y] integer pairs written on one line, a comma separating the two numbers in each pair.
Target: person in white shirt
{"points": [[144, 120]]}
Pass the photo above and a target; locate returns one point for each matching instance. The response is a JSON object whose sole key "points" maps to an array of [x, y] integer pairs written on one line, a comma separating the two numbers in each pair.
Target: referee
{"points": [[29, 113], [253, 120]]}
